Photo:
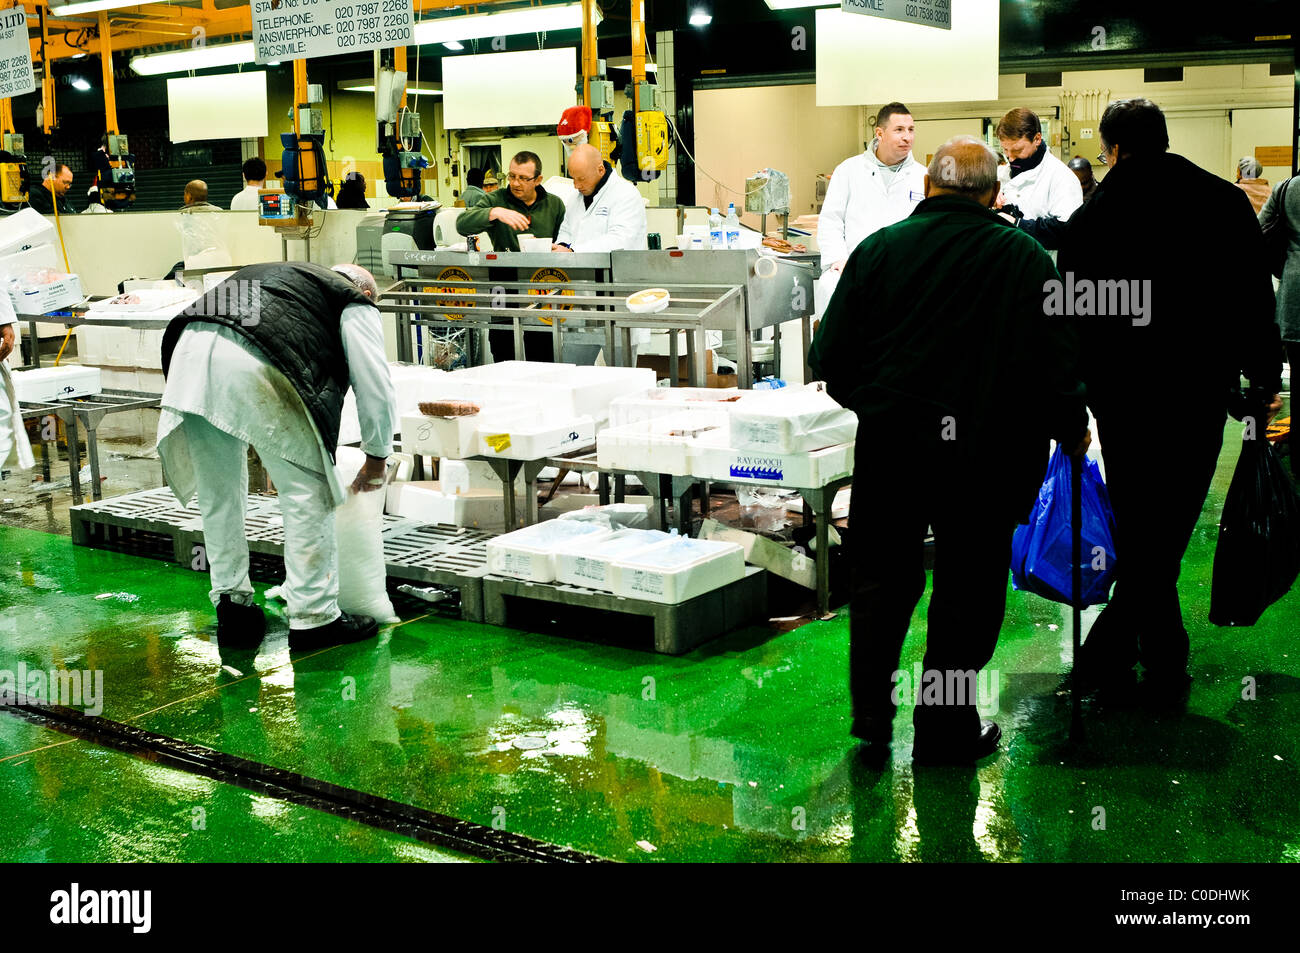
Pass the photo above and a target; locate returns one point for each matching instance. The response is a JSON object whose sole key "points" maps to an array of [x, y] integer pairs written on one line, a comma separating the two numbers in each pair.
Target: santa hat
{"points": [[575, 122]]}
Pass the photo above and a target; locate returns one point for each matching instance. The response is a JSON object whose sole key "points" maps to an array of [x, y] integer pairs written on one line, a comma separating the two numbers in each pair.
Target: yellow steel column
{"points": [[590, 59], [47, 81], [638, 53], [299, 91], [106, 61], [399, 64]]}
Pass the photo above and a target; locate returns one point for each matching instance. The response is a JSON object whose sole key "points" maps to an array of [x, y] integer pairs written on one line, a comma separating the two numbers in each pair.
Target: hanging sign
{"points": [[935, 13], [16, 76], [303, 29]]}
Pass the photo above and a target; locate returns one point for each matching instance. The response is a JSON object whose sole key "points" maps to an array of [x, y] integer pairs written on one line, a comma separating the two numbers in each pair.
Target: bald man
{"points": [[957, 344], [607, 214], [196, 197], [264, 360]]}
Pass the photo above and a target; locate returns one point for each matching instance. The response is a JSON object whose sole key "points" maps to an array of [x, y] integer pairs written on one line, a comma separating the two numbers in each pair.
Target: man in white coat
{"points": [[13, 435], [607, 214], [1042, 192], [265, 360], [870, 190]]}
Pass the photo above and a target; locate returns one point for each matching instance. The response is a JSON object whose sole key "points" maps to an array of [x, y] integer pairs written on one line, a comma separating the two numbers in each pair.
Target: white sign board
{"points": [[225, 106], [16, 77], [527, 88], [935, 13], [302, 29]]}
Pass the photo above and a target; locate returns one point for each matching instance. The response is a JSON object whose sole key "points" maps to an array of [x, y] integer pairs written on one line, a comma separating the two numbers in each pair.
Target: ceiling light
{"points": [[80, 83], [479, 26], [798, 4], [454, 46], [368, 86], [625, 62], [700, 18], [227, 54], [90, 6]]}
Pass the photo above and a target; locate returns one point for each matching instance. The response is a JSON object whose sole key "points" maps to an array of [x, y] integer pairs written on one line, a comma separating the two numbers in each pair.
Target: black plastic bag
{"points": [[1258, 556]]}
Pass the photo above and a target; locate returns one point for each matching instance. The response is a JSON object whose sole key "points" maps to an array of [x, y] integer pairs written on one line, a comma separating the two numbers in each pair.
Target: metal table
{"points": [[516, 306], [89, 412]]}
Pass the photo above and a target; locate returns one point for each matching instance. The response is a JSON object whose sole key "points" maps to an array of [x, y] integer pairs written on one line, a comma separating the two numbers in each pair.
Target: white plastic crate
{"points": [[426, 502], [662, 445], [54, 383], [802, 469], [535, 441], [529, 553], [678, 570], [587, 563], [789, 420]]}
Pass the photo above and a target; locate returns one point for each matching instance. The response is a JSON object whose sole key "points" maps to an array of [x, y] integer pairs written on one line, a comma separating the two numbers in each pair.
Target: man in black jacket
{"points": [[1143, 269], [264, 360]]}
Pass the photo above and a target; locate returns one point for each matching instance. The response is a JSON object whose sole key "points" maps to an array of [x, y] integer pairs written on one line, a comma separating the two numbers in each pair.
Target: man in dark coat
{"points": [[1164, 319], [936, 337]]}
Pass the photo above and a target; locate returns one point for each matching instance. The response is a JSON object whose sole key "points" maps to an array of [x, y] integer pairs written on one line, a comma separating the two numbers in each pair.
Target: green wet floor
{"points": [[738, 751]]}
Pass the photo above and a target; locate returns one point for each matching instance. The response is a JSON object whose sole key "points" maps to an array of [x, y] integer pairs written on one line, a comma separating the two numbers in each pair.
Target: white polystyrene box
{"points": [[534, 441], [529, 553], [789, 420], [457, 437], [24, 229], [678, 570], [427, 502], [661, 445], [54, 383], [587, 563], [802, 469], [663, 401]]}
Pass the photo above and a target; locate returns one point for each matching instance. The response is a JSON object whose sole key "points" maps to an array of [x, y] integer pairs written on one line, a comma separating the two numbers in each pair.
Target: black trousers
{"points": [[1293, 358], [896, 494], [1157, 488]]}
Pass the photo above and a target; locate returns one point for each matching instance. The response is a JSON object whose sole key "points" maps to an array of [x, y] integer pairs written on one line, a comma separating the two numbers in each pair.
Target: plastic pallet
{"points": [[151, 523], [677, 628]]}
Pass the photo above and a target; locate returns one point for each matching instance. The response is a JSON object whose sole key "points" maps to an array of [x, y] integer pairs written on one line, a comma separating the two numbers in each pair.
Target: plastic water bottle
{"points": [[717, 237], [733, 227]]}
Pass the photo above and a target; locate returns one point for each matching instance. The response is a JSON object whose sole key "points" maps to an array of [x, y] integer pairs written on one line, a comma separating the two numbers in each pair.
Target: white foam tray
{"points": [[529, 553], [665, 401], [788, 421], [457, 437], [426, 502], [803, 469], [678, 570], [588, 563], [650, 446]]}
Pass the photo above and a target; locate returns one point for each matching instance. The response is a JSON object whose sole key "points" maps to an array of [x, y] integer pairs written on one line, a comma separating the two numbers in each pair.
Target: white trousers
{"points": [[311, 559]]}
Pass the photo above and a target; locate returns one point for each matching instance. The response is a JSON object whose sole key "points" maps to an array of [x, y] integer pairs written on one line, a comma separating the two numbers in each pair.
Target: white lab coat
{"points": [[614, 222], [227, 398], [13, 435], [246, 199], [1049, 189], [859, 203]]}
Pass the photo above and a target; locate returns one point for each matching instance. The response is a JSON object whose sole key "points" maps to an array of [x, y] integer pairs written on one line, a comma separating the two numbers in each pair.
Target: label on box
{"points": [[585, 568], [517, 564], [760, 434], [757, 468], [642, 580]]}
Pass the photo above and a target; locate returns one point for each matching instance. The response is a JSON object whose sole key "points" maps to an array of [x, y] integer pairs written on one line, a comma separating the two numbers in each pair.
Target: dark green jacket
{"points": [[41, 200], [936, 336], [546, 213]]}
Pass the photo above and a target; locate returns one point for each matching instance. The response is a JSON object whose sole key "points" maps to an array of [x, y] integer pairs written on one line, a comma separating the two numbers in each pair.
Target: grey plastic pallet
{"points": [[413, 551], [678, 628]]}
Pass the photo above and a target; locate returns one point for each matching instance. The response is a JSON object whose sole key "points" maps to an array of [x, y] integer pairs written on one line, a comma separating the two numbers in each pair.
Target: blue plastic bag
{"points": [[1041, 551]]}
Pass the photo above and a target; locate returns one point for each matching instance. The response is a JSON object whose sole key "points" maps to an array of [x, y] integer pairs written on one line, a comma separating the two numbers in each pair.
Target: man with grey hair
{"points": [[265, 360], [936, 337], [1248, 180]]}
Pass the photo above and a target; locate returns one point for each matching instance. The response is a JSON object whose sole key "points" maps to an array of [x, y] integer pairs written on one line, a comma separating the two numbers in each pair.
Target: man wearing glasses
{"points": [[525, 207]]}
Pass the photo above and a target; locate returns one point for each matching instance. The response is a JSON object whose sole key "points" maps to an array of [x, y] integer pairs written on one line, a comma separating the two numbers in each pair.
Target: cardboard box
{"points": [[659, 364]]}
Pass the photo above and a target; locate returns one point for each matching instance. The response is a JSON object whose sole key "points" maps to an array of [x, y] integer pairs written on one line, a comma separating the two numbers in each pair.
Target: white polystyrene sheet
{"points": [[918, 63], [228, 106], [528, 88], [790, 419]]}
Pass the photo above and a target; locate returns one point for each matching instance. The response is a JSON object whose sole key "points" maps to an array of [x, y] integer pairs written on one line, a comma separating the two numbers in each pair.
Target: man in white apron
{"points": [[15, 450]]}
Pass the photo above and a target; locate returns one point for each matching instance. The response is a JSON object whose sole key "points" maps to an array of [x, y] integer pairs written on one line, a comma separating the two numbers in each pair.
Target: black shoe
{"points": [[239, 626], [346, 628], [981, 746]]}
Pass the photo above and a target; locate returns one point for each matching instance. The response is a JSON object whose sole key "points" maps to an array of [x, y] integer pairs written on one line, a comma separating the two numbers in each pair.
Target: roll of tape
{"points": [[765, 267]]}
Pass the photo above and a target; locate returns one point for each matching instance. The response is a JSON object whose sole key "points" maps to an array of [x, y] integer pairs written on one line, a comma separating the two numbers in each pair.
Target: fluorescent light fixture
{"points": [[227, 54], [368, 86], [625, 62], [566, 16], [798, 4], [90, 6], [700, 18], [81, 83], [454, 46]]}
